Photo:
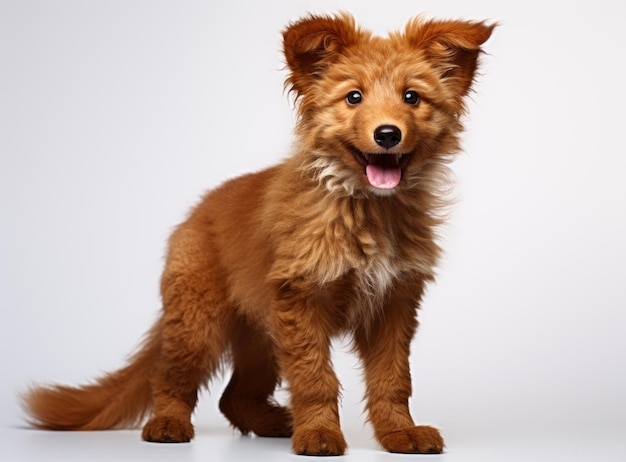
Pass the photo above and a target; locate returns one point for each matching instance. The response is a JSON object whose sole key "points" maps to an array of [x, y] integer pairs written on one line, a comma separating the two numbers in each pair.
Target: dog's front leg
{"points": [[301, 333], [384, 349]]}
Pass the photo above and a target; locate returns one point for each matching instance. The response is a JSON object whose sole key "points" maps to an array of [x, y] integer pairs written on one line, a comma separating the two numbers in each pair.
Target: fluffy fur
{"points": [[339, 238]]}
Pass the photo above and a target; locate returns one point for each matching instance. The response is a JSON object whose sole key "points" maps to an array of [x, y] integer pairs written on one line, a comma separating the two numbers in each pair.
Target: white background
{"points": [[115, 116]]}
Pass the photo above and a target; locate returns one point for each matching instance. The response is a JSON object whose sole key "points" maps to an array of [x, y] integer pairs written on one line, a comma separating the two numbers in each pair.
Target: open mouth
{"points": [[383, 171]]}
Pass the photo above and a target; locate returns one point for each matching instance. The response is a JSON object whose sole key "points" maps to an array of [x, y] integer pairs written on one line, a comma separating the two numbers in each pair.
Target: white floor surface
{"points": [[221, 444]]}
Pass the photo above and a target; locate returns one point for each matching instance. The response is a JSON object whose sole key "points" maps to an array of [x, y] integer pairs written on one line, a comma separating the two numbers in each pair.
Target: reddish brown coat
{"points": [[270, 266]]}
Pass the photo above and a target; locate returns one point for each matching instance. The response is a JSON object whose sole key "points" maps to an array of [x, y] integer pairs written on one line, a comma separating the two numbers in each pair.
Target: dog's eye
{"points": [[411, 97], [354, 98]]}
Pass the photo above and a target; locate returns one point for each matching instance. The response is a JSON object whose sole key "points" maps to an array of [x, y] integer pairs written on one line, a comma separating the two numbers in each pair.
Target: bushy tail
{"points": [[119, 399]]}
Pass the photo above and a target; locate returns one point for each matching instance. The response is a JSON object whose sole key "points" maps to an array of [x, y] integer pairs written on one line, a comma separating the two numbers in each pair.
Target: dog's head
{"points": [[375, 112]]}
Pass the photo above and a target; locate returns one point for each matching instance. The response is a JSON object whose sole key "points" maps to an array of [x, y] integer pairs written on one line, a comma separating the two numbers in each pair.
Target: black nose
{"points": [[387, 136]]}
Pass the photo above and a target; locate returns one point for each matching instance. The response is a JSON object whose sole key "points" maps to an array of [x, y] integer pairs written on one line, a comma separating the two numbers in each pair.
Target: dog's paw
{"points": [[414, 440], [318, 442], [163, 429], [262, 418], [275, 422]]}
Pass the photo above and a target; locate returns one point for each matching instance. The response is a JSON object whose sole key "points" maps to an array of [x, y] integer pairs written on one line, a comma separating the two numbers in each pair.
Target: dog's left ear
{"points": [[313, 43], [452, 47]]}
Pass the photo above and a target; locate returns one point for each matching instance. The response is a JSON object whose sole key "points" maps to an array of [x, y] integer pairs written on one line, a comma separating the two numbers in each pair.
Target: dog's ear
{"points": [[452, 47], [311, 44]]}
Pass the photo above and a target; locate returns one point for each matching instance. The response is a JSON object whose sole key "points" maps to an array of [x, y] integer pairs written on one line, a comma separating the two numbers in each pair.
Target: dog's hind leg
{"points": [[193, 333], [247, 401]]}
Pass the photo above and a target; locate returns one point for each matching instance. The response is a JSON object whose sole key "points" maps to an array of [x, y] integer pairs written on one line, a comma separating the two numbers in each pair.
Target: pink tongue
{"points": [[383, 176]]}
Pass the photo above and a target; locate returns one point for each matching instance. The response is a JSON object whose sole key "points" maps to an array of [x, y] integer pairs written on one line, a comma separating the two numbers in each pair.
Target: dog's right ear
{"points": [[313, 43]]}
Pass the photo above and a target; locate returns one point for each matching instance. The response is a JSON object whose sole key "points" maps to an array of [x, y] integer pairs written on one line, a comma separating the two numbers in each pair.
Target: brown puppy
{"points": [[340, 237]]}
